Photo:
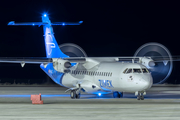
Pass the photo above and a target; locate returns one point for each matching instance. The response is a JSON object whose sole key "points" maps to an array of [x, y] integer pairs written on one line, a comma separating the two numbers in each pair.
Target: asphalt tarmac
{"points": [[160, 103]]}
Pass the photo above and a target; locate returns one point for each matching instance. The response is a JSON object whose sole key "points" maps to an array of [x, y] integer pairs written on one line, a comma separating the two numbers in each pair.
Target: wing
{"points": [[167, 58], [23, 61], [92, 61]]}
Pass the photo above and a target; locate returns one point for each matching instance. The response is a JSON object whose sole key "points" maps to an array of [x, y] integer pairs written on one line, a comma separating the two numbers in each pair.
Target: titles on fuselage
{"points": [[106, 83]]}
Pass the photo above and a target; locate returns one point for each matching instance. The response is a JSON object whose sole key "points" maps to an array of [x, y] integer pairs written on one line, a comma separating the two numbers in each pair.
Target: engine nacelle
{"points": [[61, 65], [147, 61]]}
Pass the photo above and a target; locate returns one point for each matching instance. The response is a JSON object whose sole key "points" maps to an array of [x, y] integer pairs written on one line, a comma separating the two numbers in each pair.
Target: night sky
{"points": [[111, 28]]}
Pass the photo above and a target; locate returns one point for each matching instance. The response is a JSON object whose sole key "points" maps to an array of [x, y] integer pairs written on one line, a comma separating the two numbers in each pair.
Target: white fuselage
{"points": [[108, 77]]}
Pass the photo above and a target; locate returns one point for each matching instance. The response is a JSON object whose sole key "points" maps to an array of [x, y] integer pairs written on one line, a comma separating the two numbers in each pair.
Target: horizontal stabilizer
{"points": [[45, 23], [27, 23], [67, 23]]}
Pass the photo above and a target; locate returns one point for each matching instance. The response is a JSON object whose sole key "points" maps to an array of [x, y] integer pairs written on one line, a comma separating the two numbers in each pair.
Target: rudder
{"points": [[52, 48]]}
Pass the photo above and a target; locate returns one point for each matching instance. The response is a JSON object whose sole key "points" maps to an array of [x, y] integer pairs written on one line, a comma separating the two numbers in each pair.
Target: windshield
{"points": [[129, 71], [125, 70], [145, 70], [137, 70]]}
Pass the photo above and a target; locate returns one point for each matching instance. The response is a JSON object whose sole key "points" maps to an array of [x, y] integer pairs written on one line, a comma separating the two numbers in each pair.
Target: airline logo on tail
{"points": [[50, 46]]}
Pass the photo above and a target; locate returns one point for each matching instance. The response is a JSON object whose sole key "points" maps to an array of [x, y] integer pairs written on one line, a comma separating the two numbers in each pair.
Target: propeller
{"points": [[162, 70], [72, 50]]}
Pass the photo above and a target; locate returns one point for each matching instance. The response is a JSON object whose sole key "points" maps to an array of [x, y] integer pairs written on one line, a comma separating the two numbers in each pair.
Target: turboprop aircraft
{"points": [[69, 66]]}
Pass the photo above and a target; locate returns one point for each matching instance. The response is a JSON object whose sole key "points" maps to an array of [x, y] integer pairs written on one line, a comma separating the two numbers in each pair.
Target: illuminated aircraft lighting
{"points": [[80, 21]]}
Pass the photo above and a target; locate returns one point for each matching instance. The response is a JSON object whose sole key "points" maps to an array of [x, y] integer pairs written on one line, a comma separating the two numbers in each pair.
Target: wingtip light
{"points": [[80, 21], [11, 23]]}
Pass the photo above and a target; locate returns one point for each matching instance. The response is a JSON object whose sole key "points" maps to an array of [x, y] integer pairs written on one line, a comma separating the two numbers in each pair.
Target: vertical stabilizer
{"points": [[52, 48]]}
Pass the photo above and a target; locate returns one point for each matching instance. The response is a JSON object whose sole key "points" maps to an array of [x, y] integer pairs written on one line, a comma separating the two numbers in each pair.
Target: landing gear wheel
{"points": [[116, 95], [73, 94], [78, 96], [142, 97], [138, 97], [121, 94]]}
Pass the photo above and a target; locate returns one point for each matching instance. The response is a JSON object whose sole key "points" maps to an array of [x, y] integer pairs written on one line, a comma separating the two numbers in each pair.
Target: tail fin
{"points": [[52, 48]]}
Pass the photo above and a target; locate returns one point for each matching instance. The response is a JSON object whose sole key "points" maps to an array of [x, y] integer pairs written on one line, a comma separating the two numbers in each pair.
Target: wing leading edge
{"points": [[96, 60]]}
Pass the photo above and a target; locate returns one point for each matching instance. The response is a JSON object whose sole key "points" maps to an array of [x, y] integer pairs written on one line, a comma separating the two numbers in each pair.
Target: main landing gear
{"points": [[76, 93], [140, 95], [117, 94]]}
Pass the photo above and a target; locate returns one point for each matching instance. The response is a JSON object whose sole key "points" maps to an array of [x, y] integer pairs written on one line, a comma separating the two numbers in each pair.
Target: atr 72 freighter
{"points": [[94, 75]]}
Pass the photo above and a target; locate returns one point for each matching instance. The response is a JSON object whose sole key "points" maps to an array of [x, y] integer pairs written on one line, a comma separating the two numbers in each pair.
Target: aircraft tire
{"points": [[138, 97], [120, 94], [78, 96], [73, 94], [142, 97], [116, 95]]}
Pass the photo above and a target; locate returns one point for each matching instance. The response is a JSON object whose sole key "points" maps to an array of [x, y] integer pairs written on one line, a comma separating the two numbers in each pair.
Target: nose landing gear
{"points": [[140, 95]]}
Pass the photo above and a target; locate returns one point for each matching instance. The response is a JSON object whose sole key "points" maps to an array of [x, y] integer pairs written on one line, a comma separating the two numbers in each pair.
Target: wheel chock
{"points": [[36, 99]]}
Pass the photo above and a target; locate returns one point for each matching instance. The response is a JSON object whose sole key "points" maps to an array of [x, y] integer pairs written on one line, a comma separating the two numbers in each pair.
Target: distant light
{"points": [[11, 23], [99, 94], [45, 15], [80, 21], [63, 24], [33, 24]]}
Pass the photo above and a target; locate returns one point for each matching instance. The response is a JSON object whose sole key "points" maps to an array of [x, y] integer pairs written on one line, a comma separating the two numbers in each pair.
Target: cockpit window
{"points": [[136, 70], [125, 70], [145, 70], [129, 71]]}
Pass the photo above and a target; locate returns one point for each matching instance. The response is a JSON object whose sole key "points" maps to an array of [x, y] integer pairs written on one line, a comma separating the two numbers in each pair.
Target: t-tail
{"points": [[52, 48]]}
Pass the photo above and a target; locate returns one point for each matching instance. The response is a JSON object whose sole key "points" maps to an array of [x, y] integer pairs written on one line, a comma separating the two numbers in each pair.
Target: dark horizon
{"points": [[115, 28]]}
